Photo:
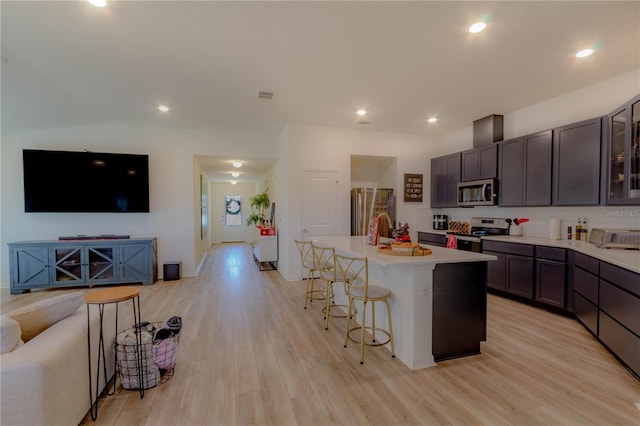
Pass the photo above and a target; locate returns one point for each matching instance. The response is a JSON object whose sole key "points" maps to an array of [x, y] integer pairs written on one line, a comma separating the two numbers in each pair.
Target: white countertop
{"points": [[628, 259], [357, 246]]}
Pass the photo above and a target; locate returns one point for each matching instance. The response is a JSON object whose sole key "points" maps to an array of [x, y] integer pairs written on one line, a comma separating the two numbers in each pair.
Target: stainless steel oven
{"points": [[480, 226]]}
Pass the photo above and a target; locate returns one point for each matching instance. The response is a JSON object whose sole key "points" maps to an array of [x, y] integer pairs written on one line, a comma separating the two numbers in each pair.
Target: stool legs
{"points": [[373, 327]]}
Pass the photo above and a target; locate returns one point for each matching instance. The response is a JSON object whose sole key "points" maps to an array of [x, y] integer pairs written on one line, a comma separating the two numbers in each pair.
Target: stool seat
{"points": [[374, 292]]}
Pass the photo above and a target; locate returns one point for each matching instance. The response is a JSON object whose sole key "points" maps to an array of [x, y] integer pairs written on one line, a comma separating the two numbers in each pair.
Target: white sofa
{"points": [[45, 381]]}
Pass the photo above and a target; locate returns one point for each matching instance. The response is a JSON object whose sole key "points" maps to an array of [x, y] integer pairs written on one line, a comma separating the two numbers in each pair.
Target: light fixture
{"points": [[432, 120], [237, 164], [477, 27], [584, 53], [233, 182], [361, 112], [235, 174], [163, 108], [98, 3]]}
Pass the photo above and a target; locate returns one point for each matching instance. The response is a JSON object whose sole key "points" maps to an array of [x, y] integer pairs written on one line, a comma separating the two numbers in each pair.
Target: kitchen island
{"points": [[438, 304]]}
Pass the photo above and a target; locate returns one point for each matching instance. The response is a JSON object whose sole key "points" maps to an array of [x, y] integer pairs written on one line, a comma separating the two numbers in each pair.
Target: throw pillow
{"points": [[37, 317], [9, 334]]}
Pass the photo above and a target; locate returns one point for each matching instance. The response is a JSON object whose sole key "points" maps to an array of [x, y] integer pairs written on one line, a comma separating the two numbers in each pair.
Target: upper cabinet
{"points": [[445, 175], [623, 154], [480, 163], [524, 169], [576, 163]]}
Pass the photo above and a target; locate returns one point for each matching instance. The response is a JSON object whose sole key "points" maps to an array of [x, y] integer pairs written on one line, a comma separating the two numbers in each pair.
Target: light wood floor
{"points": [[250, 354]]}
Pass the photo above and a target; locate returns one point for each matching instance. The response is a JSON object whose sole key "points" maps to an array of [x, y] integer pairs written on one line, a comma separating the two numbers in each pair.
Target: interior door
{"points": [[320, 203]]}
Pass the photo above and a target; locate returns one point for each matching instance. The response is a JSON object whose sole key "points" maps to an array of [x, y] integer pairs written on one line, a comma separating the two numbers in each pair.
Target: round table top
{"points": [[111, 295]]}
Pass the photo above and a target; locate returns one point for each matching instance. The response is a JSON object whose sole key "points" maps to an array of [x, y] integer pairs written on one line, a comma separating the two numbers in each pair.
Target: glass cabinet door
{"points": [[101, 263], [634, 153], [68, 264], [617, 156]]}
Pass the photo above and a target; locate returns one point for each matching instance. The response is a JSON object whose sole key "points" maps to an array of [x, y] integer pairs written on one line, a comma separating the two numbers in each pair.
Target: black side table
{"points": [[101, 298]]}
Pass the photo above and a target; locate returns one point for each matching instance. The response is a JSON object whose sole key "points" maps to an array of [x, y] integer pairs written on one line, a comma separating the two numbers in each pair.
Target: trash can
{"points": [[171, 271]]}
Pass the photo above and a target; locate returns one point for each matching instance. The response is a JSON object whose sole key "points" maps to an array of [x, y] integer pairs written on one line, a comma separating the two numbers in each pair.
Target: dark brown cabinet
{"points": [[524, 169], [513, 272], [623, 154], [445, 175], [432, 239], [551, 273], [619, 314], [496, 276], [480, 163], [577, 162]]}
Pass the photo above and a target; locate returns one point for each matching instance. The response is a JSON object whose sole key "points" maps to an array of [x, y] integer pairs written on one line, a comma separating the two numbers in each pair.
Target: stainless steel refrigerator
{"points": [[371, 202]]}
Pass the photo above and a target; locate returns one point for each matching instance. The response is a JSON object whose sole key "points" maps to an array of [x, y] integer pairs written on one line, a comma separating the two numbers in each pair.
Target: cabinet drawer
{"points": [[622, 306], [511, 248], [586, 284], [621, 341], [551, 253], [429, 238], [587, 263], [586, 312], [623, 278]]}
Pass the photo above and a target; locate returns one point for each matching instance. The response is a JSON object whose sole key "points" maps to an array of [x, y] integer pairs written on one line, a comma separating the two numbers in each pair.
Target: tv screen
{"points": [[85, 182]]}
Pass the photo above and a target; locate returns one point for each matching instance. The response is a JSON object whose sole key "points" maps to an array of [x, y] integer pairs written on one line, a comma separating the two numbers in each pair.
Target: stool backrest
{"points": [[324, 261], [306, 255], [355, 270]]}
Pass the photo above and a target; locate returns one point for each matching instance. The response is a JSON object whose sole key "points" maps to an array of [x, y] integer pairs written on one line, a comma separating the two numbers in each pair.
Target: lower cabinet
{"points": [[513, 272], [607, 302], [519, 276], [432, 239], [48, 264], [551, 276], [265, 251]]}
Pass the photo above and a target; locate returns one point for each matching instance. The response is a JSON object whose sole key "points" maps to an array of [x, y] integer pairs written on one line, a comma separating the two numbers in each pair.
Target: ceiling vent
{"points": [[265, 95]]}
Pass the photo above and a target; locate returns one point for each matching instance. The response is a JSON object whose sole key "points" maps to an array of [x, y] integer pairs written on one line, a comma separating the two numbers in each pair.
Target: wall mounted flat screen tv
{"points": [[85, 182]]}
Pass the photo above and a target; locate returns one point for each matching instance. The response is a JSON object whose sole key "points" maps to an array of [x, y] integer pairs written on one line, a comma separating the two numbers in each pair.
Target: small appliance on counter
{"points": [[615, 238], [440, 222]]}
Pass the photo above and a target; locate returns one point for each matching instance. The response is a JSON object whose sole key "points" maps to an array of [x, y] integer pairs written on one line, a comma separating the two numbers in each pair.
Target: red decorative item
{"points": [[267, 231]]}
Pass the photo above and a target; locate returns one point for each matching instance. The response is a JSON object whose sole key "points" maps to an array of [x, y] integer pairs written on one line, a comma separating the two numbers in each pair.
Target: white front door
{"points": [[320, 203]]}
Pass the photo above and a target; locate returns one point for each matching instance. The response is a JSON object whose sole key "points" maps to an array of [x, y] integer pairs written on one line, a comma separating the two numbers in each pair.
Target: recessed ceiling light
{"points": [[237, 164], [98, 3], [584, 53], [235, 174], [477, 27], [163, 108], [361, 112], [233, 182], [432, 120]]}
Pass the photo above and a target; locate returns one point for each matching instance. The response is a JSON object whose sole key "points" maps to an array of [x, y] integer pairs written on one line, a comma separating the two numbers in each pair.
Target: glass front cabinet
{"points": [[624, 154]]}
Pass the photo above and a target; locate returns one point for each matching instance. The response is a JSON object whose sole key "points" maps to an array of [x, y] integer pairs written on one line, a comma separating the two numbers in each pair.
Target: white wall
{"points": [[592, 101], [172, 185], [326, 148]]}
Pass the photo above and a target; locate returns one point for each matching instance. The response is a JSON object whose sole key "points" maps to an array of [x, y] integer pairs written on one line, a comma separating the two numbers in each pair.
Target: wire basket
{"points": [[158, 358]]}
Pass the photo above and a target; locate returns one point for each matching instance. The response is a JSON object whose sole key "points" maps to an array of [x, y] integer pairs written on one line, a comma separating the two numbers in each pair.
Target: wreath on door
{"points": [[233, 206]]}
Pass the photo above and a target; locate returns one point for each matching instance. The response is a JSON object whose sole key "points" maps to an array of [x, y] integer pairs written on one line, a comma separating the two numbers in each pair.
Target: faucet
{"points": [[380, 217]]}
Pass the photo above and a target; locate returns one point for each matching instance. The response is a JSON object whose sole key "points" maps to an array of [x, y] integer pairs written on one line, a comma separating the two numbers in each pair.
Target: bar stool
{"points": [[324, 259], [356, 270], [306, 257]]}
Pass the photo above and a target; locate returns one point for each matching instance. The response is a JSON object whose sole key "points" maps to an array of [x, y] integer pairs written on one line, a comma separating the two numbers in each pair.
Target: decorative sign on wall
{"points": [[412, 187]]}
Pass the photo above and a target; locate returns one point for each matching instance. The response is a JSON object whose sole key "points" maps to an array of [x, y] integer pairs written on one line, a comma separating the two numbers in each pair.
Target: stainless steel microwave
{"points": [[478, 193]]}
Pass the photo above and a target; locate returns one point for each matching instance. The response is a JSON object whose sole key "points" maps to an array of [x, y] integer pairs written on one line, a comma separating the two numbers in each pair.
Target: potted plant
{"points": [[259, 204]]}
